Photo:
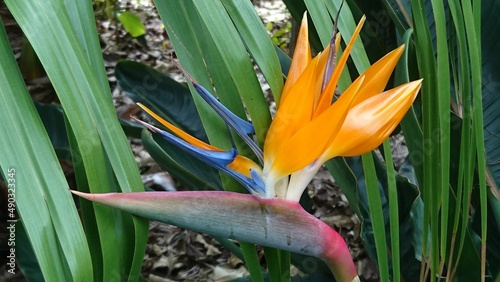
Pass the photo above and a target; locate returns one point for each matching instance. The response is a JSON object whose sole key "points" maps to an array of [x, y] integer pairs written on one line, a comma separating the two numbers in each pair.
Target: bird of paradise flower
{"points": [[307, 130]]}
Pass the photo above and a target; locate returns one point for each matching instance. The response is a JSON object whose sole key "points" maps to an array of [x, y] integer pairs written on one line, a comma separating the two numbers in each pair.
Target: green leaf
{"points": [[26, 258], [163, 95], [131, 128], [259, 44], [207, 45], [74, 64], [285, 61], [348, 172], [297, 9], [491, 87], [46, 208], [53, 121], [400, 13], [493, 247], [132, 23], [393, 211]]}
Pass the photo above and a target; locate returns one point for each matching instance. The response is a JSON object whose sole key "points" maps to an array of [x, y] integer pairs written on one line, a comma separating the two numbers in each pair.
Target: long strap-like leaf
{"points": [[32, 171]]}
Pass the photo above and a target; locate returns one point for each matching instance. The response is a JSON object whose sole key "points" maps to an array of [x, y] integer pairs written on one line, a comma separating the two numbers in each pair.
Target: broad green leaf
{"points": [[411, 123], [165, 96], [47, 209], [430, 122], [473, 29], [491, 86], [53, 121], [393, 211]]}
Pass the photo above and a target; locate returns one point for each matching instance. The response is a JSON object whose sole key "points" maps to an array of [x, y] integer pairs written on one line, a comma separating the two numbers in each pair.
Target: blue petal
{"points": [[224, 112], [242, 127], [258, 180], [217, 159]]}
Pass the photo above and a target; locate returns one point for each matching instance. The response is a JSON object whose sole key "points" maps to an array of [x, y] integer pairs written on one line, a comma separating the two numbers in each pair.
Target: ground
{"points": [[175, 254]]}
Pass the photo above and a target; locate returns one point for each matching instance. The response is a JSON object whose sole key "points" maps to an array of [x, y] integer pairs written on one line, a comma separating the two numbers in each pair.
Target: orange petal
{"points": [[323, 59], [301, 58], [327, 94], [294, 112], [370, 122], [311, 141], [243, 165], [188, 138], [377, 76]]}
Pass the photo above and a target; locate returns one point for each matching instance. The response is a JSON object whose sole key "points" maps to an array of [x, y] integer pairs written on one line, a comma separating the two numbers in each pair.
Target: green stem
{"points": [[252, 261], [376, 214], [285, 266], [393, 211], [230, 246], [273, 263]]}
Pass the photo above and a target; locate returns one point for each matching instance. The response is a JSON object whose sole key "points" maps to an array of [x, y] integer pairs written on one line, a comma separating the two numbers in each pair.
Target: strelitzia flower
{"points": [[307, 130]]}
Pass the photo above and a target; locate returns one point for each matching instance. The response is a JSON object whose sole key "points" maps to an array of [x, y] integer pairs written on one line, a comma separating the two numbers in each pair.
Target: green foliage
{"points": [[446, 152], [162, 94], [132, 23], [100, 151], [47, 207], [281, 35]]}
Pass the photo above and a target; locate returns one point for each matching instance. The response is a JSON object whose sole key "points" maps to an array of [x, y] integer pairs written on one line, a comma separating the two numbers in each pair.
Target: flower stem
{"points": [[273, 264], [285, 266], [252, 261]]}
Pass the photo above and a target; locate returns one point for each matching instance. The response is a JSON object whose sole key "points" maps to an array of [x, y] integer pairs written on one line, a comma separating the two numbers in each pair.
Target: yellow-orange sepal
{"points": [[300, 59], [370, 122]]}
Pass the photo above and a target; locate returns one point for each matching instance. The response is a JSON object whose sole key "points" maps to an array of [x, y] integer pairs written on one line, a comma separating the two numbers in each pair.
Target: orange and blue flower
{"points": [[308, 128]]}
